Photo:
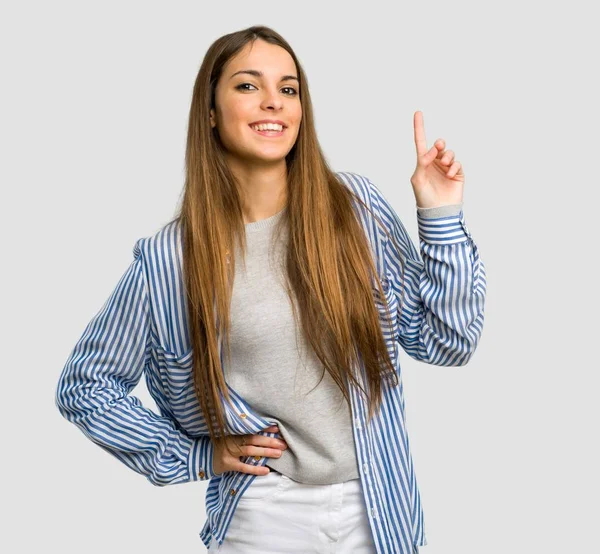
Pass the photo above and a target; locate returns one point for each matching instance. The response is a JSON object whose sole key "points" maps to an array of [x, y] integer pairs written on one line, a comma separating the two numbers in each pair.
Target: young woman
{"points": [[267, 319]]}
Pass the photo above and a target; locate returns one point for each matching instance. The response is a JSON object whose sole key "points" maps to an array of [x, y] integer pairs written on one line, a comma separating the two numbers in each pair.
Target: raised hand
{"points": [[438, 178]]}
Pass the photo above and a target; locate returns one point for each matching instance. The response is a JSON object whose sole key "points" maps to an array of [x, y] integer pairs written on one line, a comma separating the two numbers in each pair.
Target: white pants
{"points": [[277, 514]]}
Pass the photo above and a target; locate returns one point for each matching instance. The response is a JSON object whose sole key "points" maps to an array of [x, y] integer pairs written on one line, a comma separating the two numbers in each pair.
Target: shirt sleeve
{"points": [[106, 363], [441, 303]]}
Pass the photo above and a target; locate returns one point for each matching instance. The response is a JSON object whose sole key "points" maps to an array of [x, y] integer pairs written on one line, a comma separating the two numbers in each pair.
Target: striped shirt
{"points": [[142, 329]]}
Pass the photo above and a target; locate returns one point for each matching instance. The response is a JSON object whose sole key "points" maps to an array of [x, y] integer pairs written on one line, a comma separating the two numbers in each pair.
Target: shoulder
{"points": [[357, 183], [162, 249], [364, 188], [371, 211]]}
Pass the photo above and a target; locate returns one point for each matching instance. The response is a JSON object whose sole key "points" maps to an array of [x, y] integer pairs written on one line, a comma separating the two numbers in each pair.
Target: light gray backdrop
{"points": [[95, 99]]}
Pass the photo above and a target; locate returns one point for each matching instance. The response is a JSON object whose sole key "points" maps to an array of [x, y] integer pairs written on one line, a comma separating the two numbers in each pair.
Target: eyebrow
{"points": [[257, 73]]}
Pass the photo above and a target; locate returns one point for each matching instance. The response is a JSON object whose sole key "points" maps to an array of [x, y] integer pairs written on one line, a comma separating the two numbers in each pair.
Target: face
{"points": [[259, 83]]}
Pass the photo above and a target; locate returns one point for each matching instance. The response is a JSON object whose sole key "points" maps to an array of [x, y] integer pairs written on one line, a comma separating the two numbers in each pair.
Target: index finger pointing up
{"points": [[420, 140]]}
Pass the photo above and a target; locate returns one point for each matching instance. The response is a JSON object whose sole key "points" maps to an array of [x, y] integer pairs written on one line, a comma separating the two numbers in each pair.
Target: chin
{"points": [[274, 157]]}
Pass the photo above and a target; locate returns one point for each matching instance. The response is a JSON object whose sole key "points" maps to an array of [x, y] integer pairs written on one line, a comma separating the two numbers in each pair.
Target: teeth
{"points": [[268, 127]]}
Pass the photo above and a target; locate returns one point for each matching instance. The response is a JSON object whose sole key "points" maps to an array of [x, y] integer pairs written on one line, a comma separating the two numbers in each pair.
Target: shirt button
{"points": [[243, 415], [257, 458], [232, 492], [358, 424], [201, 474], [366, 467], [374, 513]]}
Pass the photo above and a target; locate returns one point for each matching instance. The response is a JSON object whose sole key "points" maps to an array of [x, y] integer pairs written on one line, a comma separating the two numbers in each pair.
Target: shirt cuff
{"points": [[201, 459], [440, 211], [446, 228]]}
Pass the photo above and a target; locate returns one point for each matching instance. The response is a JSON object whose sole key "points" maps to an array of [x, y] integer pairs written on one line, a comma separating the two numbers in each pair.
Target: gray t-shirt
{"points": [[274, 369]]}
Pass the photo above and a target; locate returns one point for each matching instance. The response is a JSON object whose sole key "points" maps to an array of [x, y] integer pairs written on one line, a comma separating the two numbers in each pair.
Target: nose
{"points": [[272, 101]]}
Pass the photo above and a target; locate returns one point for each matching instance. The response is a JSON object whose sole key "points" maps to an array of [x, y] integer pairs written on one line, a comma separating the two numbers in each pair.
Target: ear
{"points": [[212, 118]]}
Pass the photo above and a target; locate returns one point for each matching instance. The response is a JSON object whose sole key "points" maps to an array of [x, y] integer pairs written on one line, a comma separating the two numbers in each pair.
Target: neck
{"points": [[263, 189]]}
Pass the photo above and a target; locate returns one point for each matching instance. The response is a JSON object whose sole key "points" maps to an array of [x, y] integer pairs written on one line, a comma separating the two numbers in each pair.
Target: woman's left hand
{"points": [[438, 178]]}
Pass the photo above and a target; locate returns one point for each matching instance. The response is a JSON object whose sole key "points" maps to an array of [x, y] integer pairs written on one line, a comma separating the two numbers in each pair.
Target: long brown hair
{"points": [[330, 271]]}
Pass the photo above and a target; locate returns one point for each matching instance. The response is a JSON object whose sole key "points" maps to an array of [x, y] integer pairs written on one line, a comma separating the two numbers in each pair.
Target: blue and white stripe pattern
{"points": [[142, 329]]}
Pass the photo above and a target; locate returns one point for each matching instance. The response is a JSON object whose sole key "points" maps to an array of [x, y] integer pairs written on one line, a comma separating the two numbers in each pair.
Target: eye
{"points": [[239, 87], [293, 92]]}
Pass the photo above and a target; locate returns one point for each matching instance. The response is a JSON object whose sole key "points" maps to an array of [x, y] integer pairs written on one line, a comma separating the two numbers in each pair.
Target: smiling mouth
{"points": [[269, 132]]}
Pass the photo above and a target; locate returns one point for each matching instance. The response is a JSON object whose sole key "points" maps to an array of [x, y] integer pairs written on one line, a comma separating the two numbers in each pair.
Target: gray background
{"points": [[95, 99]]}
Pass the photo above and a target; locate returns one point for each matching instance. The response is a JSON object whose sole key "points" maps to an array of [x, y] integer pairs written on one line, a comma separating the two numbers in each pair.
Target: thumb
{"points": [[429, 156]]}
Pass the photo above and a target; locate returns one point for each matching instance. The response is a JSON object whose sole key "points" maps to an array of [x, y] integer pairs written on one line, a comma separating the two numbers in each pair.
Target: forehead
{"points": [[271, 59]]}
